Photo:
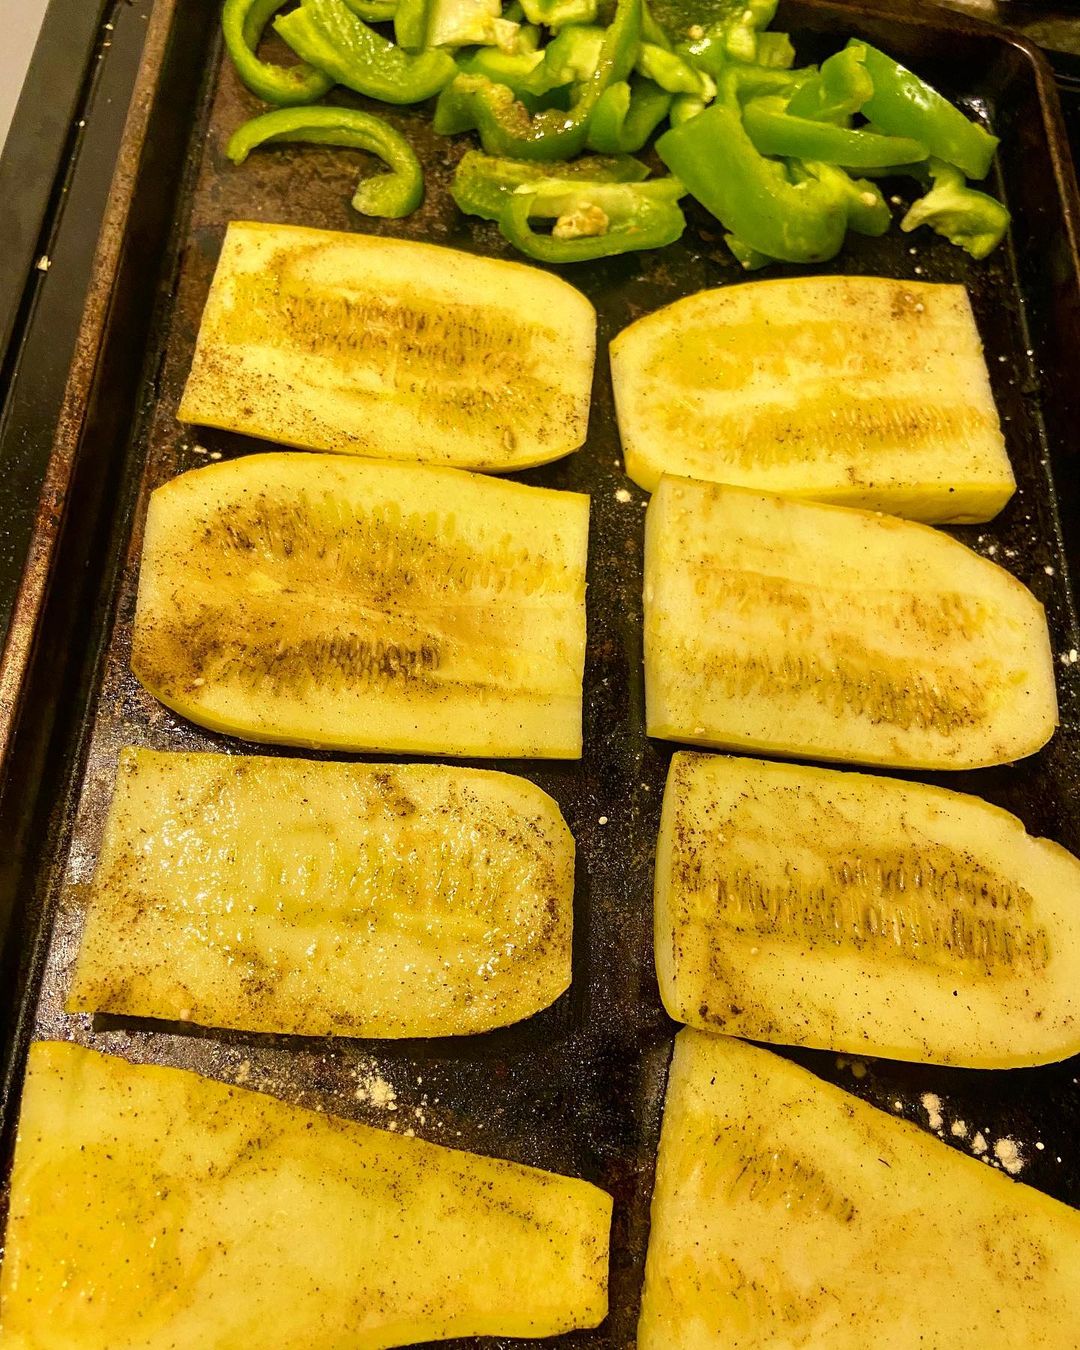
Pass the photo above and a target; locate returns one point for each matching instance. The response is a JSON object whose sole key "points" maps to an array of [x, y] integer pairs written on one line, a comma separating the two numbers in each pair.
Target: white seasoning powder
{"points": [[1008, 1155], [373, 1090], [978, 1144], [931, 1104], [958, 1129]]}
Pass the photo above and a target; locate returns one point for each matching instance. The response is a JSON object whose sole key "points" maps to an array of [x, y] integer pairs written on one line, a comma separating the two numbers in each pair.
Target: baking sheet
{"points": [[579, 1088]]}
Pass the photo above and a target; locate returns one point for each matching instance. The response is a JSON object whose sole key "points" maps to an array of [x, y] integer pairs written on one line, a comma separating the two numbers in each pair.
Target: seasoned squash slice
{"points": [[153, 1209], [799, 629], [391, 349], [856, 390], [787, 1213], [317, 600], [327, 899], [811, 907]]}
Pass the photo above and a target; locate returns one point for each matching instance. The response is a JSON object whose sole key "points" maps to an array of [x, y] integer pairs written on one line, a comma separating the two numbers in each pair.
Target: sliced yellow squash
{"points": [[391, 349], [799, 629], [811, 907], [861, 391], [317, 600], [153, 1209], [327, 899], [787, 1213]]}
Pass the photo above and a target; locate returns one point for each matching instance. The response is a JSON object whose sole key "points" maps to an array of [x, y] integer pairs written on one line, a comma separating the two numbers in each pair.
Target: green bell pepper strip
{"points": [[753, 196], [506, 128], [392, 195], [560, 13], [242, 22], [412, 23], [481, 183], [684, 107], [775, 132], [775, 50], [840, 88], [520, 72], [671, 72], [904, 105], [966, 217], [330, 36], [867, 210], [749, 259], [571, 57], [593, 220], [373, 11], [626, 115], [731, 36]]}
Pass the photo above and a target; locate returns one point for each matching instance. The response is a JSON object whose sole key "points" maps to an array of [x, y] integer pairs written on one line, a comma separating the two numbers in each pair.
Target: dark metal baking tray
{"points": [[578, 1088]]}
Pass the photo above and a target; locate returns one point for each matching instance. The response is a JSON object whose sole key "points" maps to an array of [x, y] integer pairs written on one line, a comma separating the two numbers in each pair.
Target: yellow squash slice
{"points": [[327, 899], [152, 1209], [799, 629], [787, 1214], [318, 600], [391, 349], [811, 907], [856, 390]]}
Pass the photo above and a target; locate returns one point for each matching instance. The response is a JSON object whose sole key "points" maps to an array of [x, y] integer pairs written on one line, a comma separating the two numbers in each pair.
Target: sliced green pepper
{"points": [[243, 22], [904, 105], [966, 217], [572, 56], [593, 220], [867, 210], [839, 89], [330, 36], [505, 125], [393, 194], [684, 107], [461, 23], [751, 195], [482, 183], [731, 36], [774, 131], [560, 13], [521, 72], [671, 72], [775, 50], [748, 258], [373, 11], [626, 115], [412, 22]]}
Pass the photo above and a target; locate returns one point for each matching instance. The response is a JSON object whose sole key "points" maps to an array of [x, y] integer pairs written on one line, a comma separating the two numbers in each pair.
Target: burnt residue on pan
{"points": [[579, 1087]]}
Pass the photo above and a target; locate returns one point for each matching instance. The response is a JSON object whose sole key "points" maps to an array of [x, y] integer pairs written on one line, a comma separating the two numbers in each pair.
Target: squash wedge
{"points": [[391, 349], [861, 391], [810, 907], [319, 600], [830, 633], [787, 1213], [153, 1209], [376, 900]]}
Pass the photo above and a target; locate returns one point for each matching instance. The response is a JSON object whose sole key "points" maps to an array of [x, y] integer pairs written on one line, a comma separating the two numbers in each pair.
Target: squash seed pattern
{"points": [[335, 596], [932, 906], [456, 361]]}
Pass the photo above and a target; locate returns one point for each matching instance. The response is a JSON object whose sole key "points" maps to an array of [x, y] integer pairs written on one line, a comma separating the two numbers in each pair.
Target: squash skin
{"points": [[330, 601], [374, 900], [152, 1208], [391, 349], [859, 391], [787, 1213], [865, 915], [823, 632]]}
